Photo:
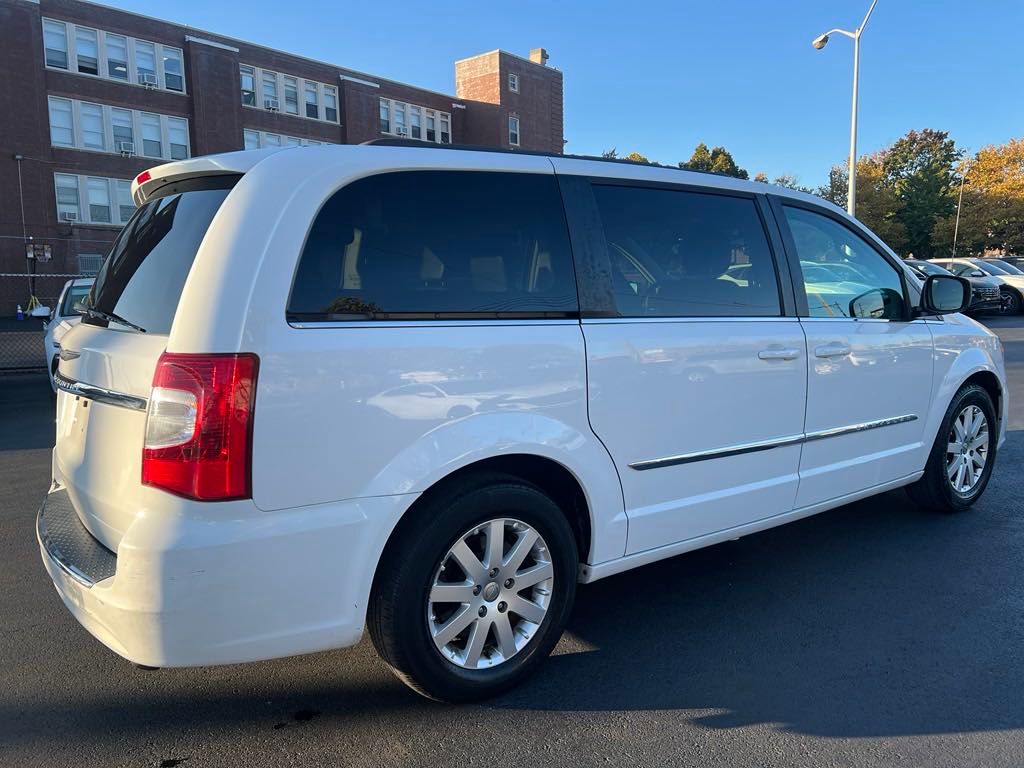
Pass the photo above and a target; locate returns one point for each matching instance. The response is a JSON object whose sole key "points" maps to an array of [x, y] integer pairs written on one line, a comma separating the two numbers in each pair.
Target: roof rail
{"points": [[416, 143]]}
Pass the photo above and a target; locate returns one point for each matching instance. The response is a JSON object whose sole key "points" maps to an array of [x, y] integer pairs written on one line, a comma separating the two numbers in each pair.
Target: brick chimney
{"points": [[539, 56]]}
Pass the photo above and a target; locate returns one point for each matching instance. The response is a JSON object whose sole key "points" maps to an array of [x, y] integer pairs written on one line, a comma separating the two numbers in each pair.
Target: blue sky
{"points": [[658, 76]]}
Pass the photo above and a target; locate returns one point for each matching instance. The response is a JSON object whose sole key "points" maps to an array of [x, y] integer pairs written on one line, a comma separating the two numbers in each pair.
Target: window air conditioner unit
{"points": [[401, 132], [272, 104], [126, 148], [148, 79], [69, 216]]}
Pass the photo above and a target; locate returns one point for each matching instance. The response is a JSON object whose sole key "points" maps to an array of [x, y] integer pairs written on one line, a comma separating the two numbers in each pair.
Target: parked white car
{"points": [[62, 319], [427, 391]]}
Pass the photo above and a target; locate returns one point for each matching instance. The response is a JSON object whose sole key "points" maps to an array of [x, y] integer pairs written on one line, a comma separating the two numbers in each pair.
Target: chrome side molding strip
{"points": [[717, 453], [765, 445], [821, 434], [99, 394]]}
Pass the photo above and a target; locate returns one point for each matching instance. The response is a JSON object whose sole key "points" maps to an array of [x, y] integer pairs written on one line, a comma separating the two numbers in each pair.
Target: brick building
{"points": [[90, 96]]}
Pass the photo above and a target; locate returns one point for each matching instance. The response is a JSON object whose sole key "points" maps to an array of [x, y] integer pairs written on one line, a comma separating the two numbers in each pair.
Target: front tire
{"points": [[475, 590], [1011, 302], [960, 463]]}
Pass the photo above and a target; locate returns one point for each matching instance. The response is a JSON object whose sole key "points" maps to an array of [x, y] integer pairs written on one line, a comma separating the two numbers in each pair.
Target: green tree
{"points": [[919, 167], [636, 157], [717, 160], [610, 154], [878, 205], [835, 190], [791, 182]]}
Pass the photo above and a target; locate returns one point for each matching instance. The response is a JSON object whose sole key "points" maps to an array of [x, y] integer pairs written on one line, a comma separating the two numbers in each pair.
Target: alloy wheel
{"points": [[490, 594], [967, 451]]}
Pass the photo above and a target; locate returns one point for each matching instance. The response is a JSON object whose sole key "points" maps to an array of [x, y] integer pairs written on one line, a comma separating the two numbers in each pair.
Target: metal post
{"points": [[960, 202], [851, 191]]}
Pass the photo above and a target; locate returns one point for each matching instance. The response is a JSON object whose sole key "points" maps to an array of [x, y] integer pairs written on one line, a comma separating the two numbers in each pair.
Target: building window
{"points": [[399, 109], [291, 95], [177, 137], [270, 98], [431, 125], [93, 133], [99, 200], [446, 134], [67, 196], [248, 79], [108, 201], [89, 264], [174, 73], [513, 131], [125, 204], [152, 146], [113, 57], [145, 63], [87, 50], [415, 119], [55, 40], [260, 140], [513, 82], [122, 131], [385, 116], [62, 123], [117, 57], [312, 101], [330, 103]]}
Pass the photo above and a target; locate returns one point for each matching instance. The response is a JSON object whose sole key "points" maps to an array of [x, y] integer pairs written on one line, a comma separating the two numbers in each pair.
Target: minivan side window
{"points": [[843, 275], [677, 253], [435, 245]]}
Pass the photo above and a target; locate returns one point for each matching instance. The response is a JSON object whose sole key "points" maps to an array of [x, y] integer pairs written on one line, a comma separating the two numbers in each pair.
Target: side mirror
{"points": [[943, 294], [878, 304]]}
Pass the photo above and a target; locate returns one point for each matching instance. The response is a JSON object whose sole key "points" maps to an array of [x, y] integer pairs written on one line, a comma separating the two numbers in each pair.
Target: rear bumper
{"points": [[237, 585]]}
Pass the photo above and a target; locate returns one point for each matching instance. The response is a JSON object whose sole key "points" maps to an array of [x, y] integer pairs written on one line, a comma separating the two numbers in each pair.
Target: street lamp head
{"points": [[819, 42]]}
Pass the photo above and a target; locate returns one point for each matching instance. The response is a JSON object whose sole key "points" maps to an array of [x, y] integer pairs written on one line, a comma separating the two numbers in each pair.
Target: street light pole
{"points": [[819, 43], [959, 204]]}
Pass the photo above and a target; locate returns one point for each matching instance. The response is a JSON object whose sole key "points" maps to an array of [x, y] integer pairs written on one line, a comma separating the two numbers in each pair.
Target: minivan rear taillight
{"points": [[199, 426]]}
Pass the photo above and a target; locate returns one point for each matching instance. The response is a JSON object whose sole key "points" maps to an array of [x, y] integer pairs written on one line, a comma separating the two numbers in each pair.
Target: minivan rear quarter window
{"points": [[437, 244], [142, 278]]}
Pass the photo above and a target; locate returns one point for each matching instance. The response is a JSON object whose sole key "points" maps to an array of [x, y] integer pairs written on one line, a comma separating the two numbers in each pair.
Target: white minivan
{"points": [[428, 390]]}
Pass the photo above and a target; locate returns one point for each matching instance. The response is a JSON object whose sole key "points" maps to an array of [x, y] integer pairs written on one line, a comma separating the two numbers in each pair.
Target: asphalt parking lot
{"points": [[874, 634]]}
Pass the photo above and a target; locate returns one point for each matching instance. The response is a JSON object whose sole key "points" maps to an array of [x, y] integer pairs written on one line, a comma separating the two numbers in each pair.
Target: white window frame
{"points": [[394, 106], [301, 85], [513, 82], [82, 188], [514, 131], [71, 112], [111, 144], [102, 65]]}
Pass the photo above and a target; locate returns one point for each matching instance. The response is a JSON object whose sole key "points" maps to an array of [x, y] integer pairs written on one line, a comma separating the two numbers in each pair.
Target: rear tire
{"points": [[410, 620], [960, 463]]}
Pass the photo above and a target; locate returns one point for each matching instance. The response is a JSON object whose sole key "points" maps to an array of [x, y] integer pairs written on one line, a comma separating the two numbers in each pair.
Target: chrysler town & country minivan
{"points": [[428, 391]]}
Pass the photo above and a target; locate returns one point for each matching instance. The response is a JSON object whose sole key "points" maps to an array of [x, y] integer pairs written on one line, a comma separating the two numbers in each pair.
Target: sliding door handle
{"points": [[835, 349], [779, 353]]}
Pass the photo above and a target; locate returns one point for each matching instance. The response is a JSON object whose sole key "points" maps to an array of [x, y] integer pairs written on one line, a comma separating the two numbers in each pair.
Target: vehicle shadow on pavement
{"points": [[875, 619], [23, 396]]}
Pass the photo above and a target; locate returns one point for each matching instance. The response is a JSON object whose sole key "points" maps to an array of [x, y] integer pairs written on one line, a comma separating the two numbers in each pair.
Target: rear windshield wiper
{"points": [[110, 317]]}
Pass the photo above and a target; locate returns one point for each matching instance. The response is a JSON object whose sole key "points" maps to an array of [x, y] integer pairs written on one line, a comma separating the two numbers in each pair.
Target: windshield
{"points": [[989, 268], [142, 278], [74, 294], [929, 269], [1005, 266]]}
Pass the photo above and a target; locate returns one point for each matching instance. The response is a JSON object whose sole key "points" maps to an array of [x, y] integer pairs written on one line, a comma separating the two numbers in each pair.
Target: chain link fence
{"points": [[21, 341]]}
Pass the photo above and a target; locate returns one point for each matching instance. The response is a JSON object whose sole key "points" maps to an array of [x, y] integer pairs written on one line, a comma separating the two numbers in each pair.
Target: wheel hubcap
{"points": [[967, 451], [504, 561]]}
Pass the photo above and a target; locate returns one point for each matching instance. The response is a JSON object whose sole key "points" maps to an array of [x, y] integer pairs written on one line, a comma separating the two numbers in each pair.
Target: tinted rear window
{"points": [[433, 244], [142, 278]]}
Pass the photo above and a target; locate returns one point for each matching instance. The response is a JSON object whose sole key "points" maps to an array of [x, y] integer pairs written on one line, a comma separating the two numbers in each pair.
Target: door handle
{"points": [[779, 353], [835, 349]]}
